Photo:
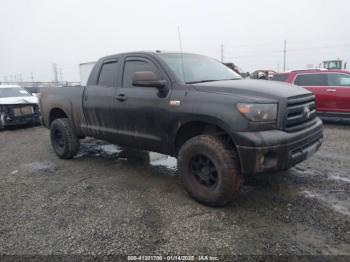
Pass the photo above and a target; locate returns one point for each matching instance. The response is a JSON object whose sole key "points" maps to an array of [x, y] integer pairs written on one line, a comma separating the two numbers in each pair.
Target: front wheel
{"points": [[209, 170], [63, 139]]}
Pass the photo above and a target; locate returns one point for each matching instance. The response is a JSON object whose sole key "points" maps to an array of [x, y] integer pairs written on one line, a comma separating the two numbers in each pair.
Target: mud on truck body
{"points": [[220, 127]]}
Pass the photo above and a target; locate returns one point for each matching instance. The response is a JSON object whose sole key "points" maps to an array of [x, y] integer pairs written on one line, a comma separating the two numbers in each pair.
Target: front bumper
{"points": [[276, 150], [21, 120]]}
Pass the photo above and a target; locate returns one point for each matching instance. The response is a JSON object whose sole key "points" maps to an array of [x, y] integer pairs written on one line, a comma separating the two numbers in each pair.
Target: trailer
{"points": [[84, 70]]}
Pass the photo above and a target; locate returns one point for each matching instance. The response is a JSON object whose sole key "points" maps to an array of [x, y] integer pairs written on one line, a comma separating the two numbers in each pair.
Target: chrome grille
{"points": [[301, 112]]}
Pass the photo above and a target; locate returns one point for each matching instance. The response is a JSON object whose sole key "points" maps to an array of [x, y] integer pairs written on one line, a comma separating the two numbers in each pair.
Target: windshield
{"points": [[13, 92], [197, 68]]}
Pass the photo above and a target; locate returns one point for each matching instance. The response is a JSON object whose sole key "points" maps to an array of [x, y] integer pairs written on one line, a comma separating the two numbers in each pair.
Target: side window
{"points": [[338, 80], [132, 66], [108, 74], [311, 80]]}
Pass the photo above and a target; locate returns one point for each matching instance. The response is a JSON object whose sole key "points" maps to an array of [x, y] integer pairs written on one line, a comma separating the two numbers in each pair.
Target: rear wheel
{"points": [[209, 170], [63, 139]]}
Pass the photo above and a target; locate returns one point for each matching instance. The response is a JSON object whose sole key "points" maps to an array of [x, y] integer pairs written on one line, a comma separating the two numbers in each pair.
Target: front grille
{"points": [[301, 112], [18, 110]]}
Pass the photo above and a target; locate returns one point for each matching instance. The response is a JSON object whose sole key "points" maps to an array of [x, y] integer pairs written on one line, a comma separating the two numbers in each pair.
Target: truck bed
{"points": [[68, 99]]}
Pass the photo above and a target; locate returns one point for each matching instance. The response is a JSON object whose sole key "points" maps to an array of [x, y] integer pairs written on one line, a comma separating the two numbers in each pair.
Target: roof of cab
{"points": [[146, 52]]}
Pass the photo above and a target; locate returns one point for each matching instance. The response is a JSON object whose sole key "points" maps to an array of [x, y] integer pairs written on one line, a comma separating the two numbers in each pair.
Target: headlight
{"points": [[258, 112]]}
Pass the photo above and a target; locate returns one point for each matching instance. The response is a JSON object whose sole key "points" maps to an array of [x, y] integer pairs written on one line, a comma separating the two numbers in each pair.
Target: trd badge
{"points": [[174, 102]]}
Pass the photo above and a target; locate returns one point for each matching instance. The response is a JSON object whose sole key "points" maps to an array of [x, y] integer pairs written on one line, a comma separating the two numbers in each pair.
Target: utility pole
{"points": [[32, 76], [54, 67], [222, 53], [284, 55], [61, 75]]}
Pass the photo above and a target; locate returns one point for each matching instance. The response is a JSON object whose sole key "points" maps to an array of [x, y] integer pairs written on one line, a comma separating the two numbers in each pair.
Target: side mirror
{"points": [[147, 79]]}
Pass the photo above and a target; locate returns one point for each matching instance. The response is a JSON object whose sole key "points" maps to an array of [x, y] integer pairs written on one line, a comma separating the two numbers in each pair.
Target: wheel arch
{"points": [[193, 128], [56, 113]]}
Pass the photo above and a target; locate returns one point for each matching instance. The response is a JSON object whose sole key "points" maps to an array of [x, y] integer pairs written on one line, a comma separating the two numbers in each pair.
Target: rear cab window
{"points": [[280, 77], [108, 73]]}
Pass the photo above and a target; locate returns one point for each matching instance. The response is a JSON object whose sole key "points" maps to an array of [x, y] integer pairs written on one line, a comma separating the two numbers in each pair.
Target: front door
{"points": [[143, 112]]}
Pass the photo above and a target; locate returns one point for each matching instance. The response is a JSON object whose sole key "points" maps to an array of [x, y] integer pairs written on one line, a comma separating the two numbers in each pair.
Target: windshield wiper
{"points": [[202, 81], [237, 78], [210, 80]]}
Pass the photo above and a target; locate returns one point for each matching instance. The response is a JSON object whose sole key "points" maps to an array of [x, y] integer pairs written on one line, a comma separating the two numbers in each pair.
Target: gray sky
{"points": [[36, 33]]}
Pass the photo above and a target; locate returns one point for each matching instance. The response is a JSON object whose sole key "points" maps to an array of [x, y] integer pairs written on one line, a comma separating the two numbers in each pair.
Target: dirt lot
{"points": [[103, 203]]}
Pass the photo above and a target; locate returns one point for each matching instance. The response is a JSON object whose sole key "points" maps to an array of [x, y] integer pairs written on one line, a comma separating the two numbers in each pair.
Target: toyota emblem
{"points": [[307, 112]]}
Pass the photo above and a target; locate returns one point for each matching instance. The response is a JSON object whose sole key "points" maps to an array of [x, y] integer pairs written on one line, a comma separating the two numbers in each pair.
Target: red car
{"points": [[331, 88]]}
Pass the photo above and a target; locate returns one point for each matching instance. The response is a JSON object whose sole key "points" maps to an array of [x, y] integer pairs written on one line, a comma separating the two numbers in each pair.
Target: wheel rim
{"points": [[204, 171], [58, 138]]}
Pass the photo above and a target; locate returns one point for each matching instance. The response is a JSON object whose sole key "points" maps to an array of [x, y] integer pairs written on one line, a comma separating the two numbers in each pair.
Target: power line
{"points": [[290, 50], [256, 54], [318, 47], [254, 44]]}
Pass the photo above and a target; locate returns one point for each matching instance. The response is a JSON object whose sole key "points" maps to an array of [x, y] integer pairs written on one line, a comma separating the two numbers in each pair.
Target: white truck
{"points": [[17, 106], [85, 69]]}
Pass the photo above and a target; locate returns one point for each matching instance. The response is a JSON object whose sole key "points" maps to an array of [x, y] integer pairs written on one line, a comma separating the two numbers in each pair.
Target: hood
{"points": [[18, 100], [253, 89]]}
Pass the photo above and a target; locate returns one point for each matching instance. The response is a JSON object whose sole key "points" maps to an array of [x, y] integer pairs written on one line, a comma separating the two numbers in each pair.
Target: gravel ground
{"points": [[107, 202]]}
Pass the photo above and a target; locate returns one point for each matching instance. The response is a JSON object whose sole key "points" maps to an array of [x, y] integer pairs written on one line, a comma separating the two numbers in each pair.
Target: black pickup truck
{"points": [[219, 126]]}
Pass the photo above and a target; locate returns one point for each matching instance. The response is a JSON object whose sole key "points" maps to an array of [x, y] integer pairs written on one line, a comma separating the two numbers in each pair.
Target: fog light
{"points": [[262, 160], [270, 160]]}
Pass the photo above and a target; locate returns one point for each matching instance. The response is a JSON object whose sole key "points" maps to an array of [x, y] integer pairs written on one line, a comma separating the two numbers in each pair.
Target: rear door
{"points": [[339, 87], [99, 100], [318, 84]]}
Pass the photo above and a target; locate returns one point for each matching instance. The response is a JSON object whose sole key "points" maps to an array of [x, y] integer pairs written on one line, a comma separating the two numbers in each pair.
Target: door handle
{"points": [[121, 97], [331, 90]]}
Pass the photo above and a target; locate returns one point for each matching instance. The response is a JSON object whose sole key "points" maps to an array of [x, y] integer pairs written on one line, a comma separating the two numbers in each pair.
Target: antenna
{"points": [[284, 55], [182, 59], [222, 53]]}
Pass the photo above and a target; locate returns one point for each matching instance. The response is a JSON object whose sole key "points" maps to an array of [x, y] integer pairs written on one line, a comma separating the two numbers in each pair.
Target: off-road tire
{"points": [[69, 143], [226, 163]]}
